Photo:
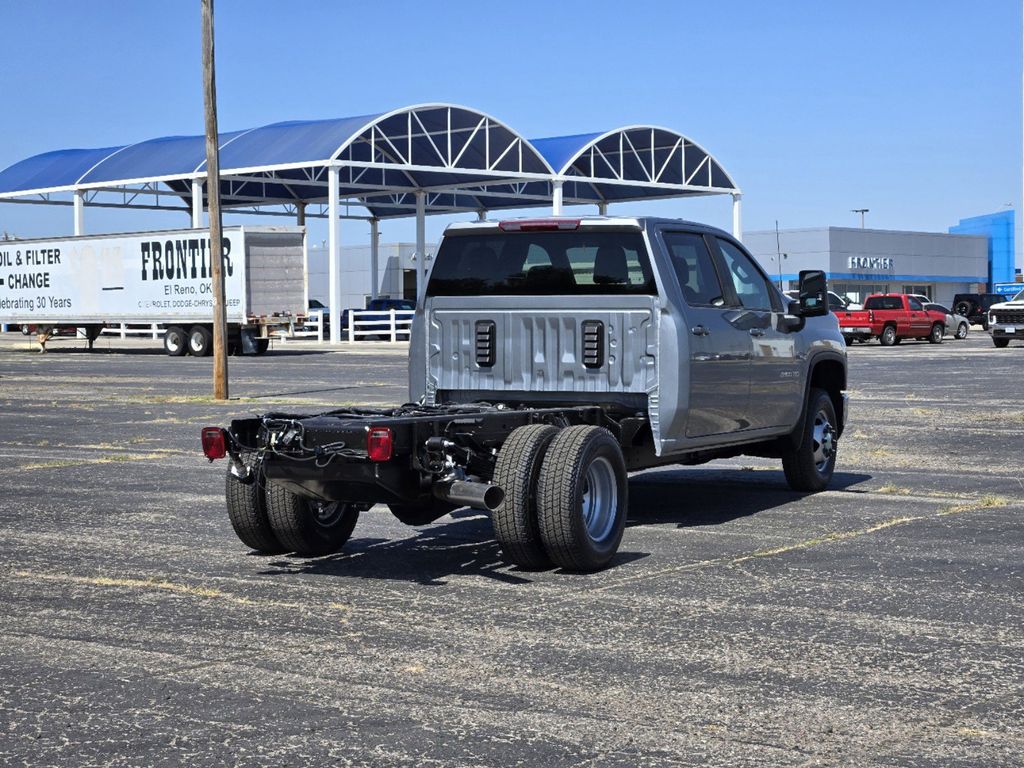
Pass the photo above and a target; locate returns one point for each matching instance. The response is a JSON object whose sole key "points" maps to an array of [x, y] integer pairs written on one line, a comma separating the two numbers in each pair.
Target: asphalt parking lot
{"points": [[878, 623]]}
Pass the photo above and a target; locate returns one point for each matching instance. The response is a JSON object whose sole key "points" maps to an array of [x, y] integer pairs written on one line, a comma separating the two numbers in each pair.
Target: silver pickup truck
{"points": [[549, 358]]}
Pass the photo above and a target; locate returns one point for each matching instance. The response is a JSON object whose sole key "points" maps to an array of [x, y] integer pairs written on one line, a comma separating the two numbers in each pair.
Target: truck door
{"points": [[776, 386], [719, 358], [920, 323]]}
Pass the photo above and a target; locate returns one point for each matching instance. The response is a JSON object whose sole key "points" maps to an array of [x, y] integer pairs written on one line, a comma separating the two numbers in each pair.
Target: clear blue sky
{"points": [[909, 108]]}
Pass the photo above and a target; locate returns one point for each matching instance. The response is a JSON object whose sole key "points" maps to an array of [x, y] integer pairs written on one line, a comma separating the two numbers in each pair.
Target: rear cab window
{"points": [[884, 302], [579, 262]]}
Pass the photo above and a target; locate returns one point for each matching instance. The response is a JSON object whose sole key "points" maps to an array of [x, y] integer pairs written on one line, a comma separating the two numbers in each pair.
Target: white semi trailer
{"points": [[157, 277]]}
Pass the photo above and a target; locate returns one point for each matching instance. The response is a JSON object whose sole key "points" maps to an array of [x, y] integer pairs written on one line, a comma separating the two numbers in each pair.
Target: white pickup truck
{"points": [[1006, 320]]}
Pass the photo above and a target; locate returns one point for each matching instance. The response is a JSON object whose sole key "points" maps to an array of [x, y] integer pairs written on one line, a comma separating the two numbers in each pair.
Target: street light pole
{"points": [[220, 323], [861, 211]]}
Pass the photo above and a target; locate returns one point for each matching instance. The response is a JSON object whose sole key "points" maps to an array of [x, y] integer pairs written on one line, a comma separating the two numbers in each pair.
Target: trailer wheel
{"points": [[810, 467], [262, 345], [307, 527], [516, 472], [582, 498], [247, 510], [175, 341], [200, 341]]}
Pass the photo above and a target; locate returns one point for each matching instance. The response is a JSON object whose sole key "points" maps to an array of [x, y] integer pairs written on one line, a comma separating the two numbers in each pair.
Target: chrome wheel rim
{"points": [[327, 514], [823, 440], [173, 342], [600, 499]]}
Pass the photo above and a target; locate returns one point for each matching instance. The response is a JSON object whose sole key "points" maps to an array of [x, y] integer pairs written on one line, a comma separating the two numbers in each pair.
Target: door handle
{"points": [[757, 331], [699, 330]]}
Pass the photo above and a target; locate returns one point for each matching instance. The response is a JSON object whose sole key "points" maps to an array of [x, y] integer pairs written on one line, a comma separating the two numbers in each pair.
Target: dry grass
{"points": [[894, 490]]}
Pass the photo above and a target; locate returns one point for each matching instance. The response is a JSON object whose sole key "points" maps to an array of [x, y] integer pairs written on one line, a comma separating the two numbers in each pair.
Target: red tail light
{"points": [[215, 443], [379, 443], [538, 225]]}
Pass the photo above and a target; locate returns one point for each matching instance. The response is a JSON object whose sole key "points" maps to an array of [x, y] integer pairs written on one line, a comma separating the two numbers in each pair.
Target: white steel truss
{"points": [[462, 159]]}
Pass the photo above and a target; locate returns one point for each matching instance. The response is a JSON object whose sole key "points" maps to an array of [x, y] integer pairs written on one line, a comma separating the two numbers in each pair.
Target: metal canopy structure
{"points": [[418, 160], [636, 162]]}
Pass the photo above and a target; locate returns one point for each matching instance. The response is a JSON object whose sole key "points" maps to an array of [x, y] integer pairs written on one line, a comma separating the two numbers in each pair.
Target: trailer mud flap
{"points": [[248, 341]]}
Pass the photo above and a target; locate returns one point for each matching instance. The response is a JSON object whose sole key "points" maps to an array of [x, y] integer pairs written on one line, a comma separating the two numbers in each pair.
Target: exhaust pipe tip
{"points": [[493, 497], [469, 494]]}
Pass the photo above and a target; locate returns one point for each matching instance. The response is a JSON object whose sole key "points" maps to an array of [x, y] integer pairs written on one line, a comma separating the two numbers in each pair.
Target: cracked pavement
{"points": [[879, 623]]}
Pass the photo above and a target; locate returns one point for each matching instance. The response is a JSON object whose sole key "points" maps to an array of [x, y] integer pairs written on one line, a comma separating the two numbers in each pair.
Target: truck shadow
{"points": [[693, 497], [463, 547], [462, 544]]}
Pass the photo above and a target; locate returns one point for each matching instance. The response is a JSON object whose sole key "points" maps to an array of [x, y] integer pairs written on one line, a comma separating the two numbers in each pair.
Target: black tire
{"points": [[963, 308], [899, 340], [516, 472], [420, 514], [1000, 343], [888, 336], [200, 341], [247, 510], [810, 467], [175, 341], [961, 331], [262, 345], [307, 527], [579, 532], [984, 323], [938, 331]]}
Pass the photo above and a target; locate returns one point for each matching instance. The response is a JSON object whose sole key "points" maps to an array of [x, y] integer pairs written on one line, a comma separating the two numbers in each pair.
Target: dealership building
{"points": [[974, 254], [860, 262]]}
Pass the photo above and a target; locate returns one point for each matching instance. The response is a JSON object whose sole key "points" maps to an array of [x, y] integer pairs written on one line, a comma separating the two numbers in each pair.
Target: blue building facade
{"points": [[998, 228]]}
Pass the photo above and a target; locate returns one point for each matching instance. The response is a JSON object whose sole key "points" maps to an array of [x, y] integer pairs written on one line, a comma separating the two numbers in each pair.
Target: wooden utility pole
{"points": [[220, 321]]}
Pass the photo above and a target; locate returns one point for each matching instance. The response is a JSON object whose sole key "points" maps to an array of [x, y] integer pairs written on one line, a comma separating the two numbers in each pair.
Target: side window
{"points": [[914, 304], [694, 269], [750, 285]]}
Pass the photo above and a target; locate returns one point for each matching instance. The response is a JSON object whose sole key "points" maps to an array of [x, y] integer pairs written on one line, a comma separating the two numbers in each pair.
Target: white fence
{"points": [[124, 330], [368, 325], [312, 328], [363, 325]]}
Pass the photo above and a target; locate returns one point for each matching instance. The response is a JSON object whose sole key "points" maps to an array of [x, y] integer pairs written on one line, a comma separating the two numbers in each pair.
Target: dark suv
{"points": [[975, 306]]}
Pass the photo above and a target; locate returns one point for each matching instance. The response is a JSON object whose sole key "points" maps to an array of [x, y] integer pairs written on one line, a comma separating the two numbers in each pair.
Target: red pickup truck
{"points": [[892, 317]]}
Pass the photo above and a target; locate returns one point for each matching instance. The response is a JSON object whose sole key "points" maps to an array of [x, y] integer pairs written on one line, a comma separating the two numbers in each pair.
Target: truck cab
{"points": [[669, 318]]}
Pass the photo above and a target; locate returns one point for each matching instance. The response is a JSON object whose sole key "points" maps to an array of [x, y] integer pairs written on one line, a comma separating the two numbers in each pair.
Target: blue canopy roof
{"points": [[466, 160]]}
